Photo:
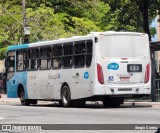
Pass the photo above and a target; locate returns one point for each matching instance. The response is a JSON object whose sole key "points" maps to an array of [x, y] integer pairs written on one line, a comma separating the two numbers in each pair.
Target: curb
{"points": [[4, 99]]}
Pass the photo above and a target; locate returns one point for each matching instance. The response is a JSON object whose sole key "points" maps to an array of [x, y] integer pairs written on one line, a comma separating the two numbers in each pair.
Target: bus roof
{"points": [[73, 38], [45, 43]]}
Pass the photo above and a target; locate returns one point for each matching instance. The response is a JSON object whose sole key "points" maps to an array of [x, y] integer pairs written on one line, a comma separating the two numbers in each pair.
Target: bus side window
{"points": [[10, 64], [68, 55], [89, 49], [57, 57], [79, 61], [57, 63], [57, 51], [45, 58], [26, 64], [11, 68], [80, 47], [19, 61], [33, 64], [26, 59], [32, 55], [79, 55]]}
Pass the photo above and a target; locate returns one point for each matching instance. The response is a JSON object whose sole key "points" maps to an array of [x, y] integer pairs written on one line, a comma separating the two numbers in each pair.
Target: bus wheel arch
{"points": [[21, 95], [65, 95]]}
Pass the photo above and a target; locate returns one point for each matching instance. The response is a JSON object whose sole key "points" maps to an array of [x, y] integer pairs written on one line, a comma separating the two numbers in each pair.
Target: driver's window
{"points": [[10, 64]]}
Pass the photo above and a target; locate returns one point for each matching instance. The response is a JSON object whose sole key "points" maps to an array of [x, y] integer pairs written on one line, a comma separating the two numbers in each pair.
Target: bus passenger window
{"points": [[88, 60], [89, 47], [45, 58], [43, 64], [35, 53], [45, 52], [57, 57], [49, 63], [79, 61], [67, 61], [38, 64], [57, 63], [68, 55], [79, 47], [79, 55], [33, 64], [57, 51], [26, 64], [68, 49], [26, 59], [31, 61], [19, 62], [19, 65]]}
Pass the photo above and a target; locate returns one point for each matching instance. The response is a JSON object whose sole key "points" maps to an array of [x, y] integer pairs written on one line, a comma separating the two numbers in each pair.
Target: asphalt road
{"points": [[90, 114]]}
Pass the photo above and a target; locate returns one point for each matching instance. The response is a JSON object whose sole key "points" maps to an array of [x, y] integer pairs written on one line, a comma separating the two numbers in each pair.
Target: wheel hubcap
{"points": [[65, 96]]}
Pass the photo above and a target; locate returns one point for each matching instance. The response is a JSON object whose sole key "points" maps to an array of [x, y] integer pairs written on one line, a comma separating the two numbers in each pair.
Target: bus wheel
{"points": [[24, 101], [66, 96]]}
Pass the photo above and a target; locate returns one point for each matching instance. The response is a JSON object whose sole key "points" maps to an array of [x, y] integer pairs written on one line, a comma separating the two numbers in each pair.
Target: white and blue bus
{"points": [[106, 66]]}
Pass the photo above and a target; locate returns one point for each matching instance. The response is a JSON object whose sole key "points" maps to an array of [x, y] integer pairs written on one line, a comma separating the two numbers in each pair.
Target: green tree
{"points": [[148, 7], [133, 15], [52, 19], [10, 23]]}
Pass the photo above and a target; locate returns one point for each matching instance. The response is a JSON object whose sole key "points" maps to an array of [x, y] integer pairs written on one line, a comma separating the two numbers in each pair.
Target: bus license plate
{"points": [[134, 68]]}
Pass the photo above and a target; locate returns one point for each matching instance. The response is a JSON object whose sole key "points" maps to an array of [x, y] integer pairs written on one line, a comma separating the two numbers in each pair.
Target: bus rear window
{"points": [[123, 46]]}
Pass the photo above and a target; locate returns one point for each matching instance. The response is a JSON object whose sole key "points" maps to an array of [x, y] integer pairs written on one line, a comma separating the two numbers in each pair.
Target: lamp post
{"points": [[26, 30], [26, 34]]}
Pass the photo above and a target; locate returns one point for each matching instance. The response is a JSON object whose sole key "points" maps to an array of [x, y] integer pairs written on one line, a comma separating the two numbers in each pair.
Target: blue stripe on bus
{"points": [[18, 47]]}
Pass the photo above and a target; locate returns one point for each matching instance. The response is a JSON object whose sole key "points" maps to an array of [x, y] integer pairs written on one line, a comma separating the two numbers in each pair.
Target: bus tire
{"points": [[65, 96], [23, 101]]}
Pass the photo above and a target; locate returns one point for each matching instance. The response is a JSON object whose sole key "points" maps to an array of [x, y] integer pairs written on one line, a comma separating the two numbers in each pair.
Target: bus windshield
{"points": [[123, 46]]}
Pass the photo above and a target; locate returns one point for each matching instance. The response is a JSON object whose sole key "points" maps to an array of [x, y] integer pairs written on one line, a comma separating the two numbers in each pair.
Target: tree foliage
{"points": [[134, 15], [52, 19]]}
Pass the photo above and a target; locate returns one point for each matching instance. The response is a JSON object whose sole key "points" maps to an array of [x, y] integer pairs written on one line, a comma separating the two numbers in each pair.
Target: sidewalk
{"points": [[131, 103], [4, 99]]}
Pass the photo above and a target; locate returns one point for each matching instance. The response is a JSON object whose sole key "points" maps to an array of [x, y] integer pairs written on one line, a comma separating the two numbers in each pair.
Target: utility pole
{"points": [[158, 27], [26, 30]]}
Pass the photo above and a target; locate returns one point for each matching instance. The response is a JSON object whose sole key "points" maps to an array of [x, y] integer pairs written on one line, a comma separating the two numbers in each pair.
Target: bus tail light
{"points": [[147, 73], [100, 74]]}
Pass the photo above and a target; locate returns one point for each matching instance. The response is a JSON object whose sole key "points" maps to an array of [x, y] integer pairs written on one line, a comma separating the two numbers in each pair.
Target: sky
{"points": [[154, 24]]}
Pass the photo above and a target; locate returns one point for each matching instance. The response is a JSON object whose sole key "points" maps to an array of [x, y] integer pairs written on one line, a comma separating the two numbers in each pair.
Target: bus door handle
{"points": [[76, 82]]}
